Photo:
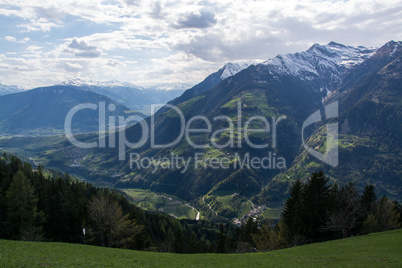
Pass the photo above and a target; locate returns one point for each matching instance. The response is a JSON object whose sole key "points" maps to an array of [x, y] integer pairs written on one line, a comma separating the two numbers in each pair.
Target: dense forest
{"points": [[317, 211], [38, 206]]}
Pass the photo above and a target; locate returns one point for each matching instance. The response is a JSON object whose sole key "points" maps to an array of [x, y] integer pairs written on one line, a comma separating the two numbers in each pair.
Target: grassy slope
{"points": [[378, 249], [169, 204]]}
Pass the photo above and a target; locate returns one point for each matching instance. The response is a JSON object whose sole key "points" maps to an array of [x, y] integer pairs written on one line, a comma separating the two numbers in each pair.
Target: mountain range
{"points": [[43, 111], [49, 105], [364, 83], [212, 80], [369, 139], [9, 89], [138, 98]]}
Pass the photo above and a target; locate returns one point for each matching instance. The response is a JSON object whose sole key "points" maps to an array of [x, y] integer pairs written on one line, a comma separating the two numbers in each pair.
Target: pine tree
{"points": [[179, 245], [221, 246], [169, 241], [292, 211], [345, 216], [250, 228], [316, 198], [22, 219], [387, 215], [193, 243], [368, 199]]}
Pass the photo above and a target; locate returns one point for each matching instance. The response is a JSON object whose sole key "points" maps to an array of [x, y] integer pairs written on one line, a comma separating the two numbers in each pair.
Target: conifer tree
{"points": [[316, 198], [169, 241], [368, 199], [292, 211], [221, 246], [22, 219], [179, 245], [387, 215], [250, 228], [345, 216]]}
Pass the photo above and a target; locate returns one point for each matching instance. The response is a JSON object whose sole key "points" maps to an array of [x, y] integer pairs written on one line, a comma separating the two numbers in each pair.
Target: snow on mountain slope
{"points": [[171, 86], [5, 89], [117, 84], [231, 69], [322, 62], [88, 83], [138, 98], [395, 45]]}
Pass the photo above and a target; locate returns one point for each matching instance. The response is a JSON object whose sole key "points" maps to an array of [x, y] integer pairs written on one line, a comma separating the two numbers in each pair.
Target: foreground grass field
{"points": [[378, 249]]}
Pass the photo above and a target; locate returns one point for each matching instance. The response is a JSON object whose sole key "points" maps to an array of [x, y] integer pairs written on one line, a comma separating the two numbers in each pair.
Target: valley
{"points": [[200, 133], [240, 147], [162, 203]]}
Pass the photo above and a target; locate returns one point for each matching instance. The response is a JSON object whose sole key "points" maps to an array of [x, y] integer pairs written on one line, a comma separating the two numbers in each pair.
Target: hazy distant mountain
{"points": [[4, 89], [42, 111], [137, 98]]}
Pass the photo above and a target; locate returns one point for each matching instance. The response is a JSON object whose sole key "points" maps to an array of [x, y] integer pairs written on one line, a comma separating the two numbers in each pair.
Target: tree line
{"points": [[317, 211], [38, 206]]}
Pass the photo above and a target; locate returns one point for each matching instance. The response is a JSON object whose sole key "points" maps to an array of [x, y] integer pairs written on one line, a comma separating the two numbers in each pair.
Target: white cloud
{"points": [[72, 67], [10, 38], [180, 41], [24, 40], [33, 48], [13, 39]]}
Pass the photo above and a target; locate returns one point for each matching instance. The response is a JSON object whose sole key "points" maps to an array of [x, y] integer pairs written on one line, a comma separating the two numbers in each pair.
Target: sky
{"points": [[45, 42]]}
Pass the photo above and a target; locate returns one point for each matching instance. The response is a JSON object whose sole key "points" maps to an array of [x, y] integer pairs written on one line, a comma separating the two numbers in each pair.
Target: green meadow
{"points": [[373, 250], [161, 202]]}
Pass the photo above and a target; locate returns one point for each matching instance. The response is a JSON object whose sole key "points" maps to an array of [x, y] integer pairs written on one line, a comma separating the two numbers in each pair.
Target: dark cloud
{"points": [[50, 13], [113, 63], [88, 54], [212, 47], [82, 49], [132, 2], [198, 19], [80, 45], [156, 12], [72, 67], [288, 35]]}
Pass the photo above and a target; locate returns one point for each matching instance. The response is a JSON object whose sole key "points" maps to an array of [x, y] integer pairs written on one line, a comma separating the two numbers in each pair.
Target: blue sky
{"points": [[44, 42]]}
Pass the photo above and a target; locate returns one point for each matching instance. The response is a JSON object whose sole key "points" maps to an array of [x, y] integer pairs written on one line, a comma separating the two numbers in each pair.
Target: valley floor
{"points": [[377, 249]]}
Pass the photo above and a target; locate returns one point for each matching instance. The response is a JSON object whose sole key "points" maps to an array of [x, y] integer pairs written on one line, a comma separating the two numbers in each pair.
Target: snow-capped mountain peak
{"points": [[393, 46], [332, 55], [83, 83], [231, 69], [9, 89], [321, 63], [171, 86]]}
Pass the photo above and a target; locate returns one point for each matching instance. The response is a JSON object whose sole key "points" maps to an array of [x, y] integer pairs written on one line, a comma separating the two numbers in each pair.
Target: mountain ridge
{"points": [[42, 111], [368, 87], [9, 89], [369, 132], [228, 70]]}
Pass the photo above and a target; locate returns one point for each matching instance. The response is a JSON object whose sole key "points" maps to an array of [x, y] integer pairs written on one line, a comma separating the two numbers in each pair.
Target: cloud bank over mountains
{"points": [[48, 41]]}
